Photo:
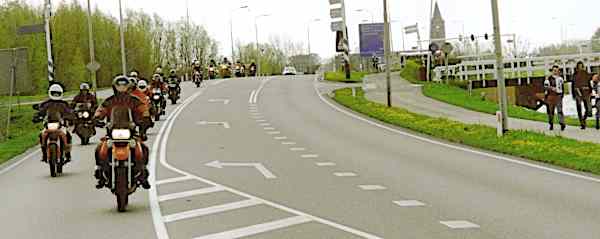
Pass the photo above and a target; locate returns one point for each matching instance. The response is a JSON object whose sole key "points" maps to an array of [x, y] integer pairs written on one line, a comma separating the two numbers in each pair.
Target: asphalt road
{"points": [[271, 158]]}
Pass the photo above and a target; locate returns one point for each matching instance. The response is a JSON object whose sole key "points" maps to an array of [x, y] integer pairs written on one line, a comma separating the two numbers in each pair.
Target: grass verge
{"points": [[355, 77], [23, 132], [563, 152]]}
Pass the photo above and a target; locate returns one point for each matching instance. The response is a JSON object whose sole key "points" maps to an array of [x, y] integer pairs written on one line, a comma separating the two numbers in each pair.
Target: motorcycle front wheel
{"points": [[53, 159], [122, 188]]}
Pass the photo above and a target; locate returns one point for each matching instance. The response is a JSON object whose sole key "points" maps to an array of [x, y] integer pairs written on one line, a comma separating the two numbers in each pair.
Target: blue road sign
{"points": [[371, 39]]}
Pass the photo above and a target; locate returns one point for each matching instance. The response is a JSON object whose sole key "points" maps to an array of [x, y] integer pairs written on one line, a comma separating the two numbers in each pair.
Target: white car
{"points": [[289, 70]]}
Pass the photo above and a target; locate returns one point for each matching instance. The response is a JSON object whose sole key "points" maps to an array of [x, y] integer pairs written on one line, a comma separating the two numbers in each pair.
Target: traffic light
{"points": [[472, 37], [485, 36]]}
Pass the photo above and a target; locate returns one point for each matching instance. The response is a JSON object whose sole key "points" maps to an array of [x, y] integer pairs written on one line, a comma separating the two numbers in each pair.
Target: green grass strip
{"points": [[355, 77], [563, 152]]}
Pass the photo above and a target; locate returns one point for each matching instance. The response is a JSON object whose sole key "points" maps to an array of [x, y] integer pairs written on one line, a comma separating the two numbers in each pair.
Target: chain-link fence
{"points": [[15, 118]]}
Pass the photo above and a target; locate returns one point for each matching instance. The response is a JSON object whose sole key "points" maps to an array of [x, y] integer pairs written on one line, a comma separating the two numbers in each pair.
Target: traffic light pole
{"points": [[387, 47]]}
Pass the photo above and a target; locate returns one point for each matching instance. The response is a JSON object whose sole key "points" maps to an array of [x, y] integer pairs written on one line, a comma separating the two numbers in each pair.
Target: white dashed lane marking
{"points": [[460, 224], [273, 132], [173, 180], [280, 138], [269, 128], [371, 187], [297, 149], [288, 143], [325, 164], [345, 174], [309, 156], [409, 203]]}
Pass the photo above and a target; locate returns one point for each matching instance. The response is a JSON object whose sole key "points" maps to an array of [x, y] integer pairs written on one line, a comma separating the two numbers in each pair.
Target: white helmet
{"points": [[55, 92], [142, 85], [84, 86]]}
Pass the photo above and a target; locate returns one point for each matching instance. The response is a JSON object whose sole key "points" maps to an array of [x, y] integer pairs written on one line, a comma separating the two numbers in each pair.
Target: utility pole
{"points": [[503, 102], [92, 67], [47, 15], [386, 22], [121, 28]]}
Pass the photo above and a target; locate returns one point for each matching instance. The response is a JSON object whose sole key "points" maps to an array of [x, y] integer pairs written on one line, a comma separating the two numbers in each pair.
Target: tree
{"points": [[596, 41]]}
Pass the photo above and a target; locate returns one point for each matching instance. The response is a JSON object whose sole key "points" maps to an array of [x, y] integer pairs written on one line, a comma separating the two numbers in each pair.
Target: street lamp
{"points": [[231, 29], [121, 28], [258, 52], [368, 11]]}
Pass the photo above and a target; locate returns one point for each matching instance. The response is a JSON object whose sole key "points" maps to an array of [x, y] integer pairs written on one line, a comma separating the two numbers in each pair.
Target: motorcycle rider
{"points": [[159, 71], [157, 83], [174, 79], [85, 96], [142, 97], [122, 98], [56, 109], [253, 68]]}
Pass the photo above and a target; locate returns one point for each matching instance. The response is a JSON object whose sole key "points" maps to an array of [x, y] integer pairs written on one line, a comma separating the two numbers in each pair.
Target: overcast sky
{"points": [[537, 21]]}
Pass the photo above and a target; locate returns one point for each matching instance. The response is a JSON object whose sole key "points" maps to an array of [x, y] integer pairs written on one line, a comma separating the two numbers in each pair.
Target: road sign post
{"points": [[387, 42], [503, 101], [338, 24]]}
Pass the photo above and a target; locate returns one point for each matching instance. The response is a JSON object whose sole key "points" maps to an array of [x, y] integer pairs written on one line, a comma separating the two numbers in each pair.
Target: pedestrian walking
{"points": [[553, 87], [596, 87], [582, 91]]}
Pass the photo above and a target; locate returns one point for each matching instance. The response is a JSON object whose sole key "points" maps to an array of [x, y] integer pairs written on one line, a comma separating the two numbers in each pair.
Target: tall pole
{"points": [[47, 15], [500, 71], [121, 28], [92, 50], [386, 23], [258, 53]]}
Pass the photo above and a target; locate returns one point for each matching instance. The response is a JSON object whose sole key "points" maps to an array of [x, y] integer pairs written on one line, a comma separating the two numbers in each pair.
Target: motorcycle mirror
{"points": [[35, 106]]}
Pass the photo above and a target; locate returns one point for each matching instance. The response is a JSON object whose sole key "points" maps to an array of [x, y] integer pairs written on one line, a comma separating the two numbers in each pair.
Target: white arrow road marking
{"points": [[225, 124], [273, 132], [281, 138], [261, 168], [260, 228], [297, 149], [288, 143], [225, 101], [265, 124]]}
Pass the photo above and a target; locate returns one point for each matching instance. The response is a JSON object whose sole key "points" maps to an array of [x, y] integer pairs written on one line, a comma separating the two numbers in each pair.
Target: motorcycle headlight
{"points": [[156, 97], [80, 115], [212, 69], [121, 134], [86, 114], [53, 126]]}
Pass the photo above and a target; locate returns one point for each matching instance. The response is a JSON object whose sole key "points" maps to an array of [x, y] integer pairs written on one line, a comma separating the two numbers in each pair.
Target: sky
{"points": [[538, 22]]}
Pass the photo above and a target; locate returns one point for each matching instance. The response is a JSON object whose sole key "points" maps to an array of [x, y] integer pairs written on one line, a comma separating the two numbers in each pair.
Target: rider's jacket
{"points": [[85, 98], [55, 110], [138, 109]]}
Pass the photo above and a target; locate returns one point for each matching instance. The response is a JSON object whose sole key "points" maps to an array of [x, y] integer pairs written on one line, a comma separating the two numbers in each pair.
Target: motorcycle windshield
{"points": [[121, 117]]}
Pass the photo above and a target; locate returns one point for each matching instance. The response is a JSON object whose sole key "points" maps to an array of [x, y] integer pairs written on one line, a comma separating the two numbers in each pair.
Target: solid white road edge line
{"points": [[156, 213], [523, 163], [19, 162]]}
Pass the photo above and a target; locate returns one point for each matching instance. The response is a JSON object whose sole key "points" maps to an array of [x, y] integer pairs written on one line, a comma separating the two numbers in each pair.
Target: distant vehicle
{"points": [[289, 70]]}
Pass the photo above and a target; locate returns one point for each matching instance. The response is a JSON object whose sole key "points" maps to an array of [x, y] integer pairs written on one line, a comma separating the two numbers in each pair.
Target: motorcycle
{"points": [[225, 71], [252, 71], [85, 127], [157, 102], [123, 157], [212, 73], [197, 78], [239, 70], [173, 92], [54, 138]]}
